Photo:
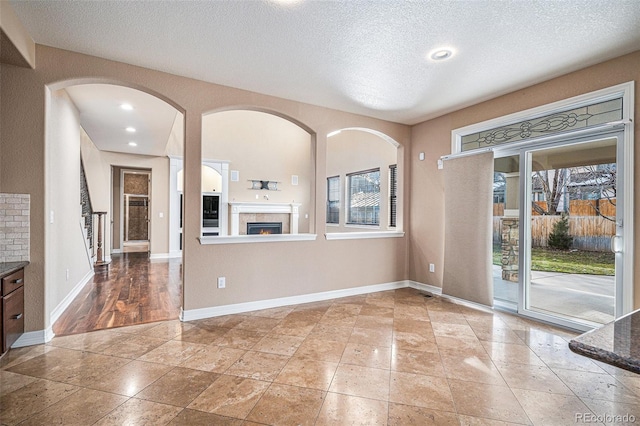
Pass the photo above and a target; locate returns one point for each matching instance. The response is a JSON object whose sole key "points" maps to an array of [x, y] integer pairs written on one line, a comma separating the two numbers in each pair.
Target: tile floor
{"points": [[393, 358]]}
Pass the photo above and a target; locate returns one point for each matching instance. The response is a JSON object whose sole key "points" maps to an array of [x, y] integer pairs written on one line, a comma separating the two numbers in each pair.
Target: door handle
{"points": [[614, 244], [17, 317]]}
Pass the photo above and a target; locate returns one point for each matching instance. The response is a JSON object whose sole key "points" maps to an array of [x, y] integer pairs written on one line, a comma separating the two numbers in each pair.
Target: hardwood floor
{"points": [[132, 290]]}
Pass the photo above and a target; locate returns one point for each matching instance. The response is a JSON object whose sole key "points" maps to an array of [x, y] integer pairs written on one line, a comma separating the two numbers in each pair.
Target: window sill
{"points": [[240, 239], [363, 235]]}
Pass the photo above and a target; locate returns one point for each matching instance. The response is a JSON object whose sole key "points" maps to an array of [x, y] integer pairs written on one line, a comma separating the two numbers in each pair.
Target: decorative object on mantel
{"points": [[270, 185]]}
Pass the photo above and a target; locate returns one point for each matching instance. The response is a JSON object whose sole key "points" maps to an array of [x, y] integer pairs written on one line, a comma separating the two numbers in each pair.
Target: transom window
{"points": [[364, 197]]}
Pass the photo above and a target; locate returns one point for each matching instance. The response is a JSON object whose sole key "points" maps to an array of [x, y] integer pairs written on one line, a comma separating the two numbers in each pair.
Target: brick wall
{"points": [[14, 227]]}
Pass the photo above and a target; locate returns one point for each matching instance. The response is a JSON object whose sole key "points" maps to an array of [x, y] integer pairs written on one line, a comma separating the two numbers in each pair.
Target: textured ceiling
{"points": [[367, 57]]}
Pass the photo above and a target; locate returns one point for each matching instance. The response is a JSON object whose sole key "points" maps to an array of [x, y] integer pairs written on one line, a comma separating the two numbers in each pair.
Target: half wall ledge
{"points": [[271, 238], [363, 235]]}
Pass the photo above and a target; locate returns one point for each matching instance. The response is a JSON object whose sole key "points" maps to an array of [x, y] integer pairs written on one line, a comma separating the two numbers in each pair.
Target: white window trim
{"points": [[363, 235]]}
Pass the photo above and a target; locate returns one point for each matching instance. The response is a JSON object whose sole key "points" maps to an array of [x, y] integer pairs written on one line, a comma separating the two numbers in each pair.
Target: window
{"points": [[333, 199], [393, 194], [364, 197]]}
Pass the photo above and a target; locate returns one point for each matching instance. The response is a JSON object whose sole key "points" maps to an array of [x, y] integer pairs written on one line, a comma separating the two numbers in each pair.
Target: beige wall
{"points": [[262, 147], [434, 138], [99, 180], [65, 246], [253, 271], [354, 151]]}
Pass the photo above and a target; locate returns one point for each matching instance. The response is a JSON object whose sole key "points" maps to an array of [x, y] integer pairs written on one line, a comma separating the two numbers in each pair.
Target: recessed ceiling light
{"points": [[133, 143], [131, 129], [441, 54], [126, 107]]}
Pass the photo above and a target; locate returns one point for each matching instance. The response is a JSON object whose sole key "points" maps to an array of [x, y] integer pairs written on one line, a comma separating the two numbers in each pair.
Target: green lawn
{"points": [[572, 262]]}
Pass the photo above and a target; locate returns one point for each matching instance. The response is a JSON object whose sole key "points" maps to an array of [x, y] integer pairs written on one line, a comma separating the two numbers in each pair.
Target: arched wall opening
{"points": [[86, 132], [363, 181]]}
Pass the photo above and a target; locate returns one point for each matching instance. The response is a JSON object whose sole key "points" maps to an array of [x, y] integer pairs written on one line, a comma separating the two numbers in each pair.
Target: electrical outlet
{"points": [[432, 267], [222, 282]]}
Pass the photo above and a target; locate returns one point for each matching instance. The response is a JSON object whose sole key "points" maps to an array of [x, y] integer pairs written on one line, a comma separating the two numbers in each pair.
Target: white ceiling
{"points": [[102, 117], [362, 56]]}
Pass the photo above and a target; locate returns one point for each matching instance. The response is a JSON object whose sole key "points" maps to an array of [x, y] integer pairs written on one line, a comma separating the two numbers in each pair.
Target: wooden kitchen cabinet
{"points": [[12, 307]]}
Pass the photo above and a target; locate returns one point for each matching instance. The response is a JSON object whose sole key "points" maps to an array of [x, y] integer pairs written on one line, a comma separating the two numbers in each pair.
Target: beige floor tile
{"points": [[361, 381], [371, 336], [278, 344], [477, 421], [447, 317], [258, 324], [168, 330], [134, 346], [80, 408], [321, 350], [443, 329], [471, 368], [216, 359], [366, 356], [407, 415], [614, 413], [347, 321], [287, 405], [10, 382], [428, 363], [19, 355], [224, 321], [274, 313], [420, 391], [178, 387], [204, 336], [377, 311], [497, 334], [296, 328], [328, 332], [240, 339], [189, 417], [631, 382], [31, 399], [533, 377], [307, 373], [230, 396], [414, 342], [459, 346], [405, 325], [343, 310], [346, 410], [550, 409], [140, 412], [597, 386], [258, 365], [174, 352], [378, 323], [487, 401], [69, 366], [95, 341], [130, 379], [413, 312], [511, 353]]}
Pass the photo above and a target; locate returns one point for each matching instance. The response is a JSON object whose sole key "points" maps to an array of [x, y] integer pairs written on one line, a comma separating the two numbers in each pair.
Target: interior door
{"points": [[572, 215]]}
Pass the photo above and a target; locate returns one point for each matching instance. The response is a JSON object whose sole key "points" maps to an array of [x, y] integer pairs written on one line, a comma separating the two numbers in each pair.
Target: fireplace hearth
{"points": [[264, 228]]}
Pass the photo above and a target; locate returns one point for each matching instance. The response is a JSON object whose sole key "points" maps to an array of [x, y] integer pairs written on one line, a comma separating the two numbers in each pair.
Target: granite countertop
{"points": [[9, 267], [616, 343]]}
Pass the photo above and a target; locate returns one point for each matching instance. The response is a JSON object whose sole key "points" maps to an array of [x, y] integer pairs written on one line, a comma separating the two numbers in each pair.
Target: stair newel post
{"points": [[99, 253]]}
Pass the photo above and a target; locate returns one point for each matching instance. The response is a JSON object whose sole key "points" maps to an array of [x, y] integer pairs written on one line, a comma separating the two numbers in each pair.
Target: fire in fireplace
{"points": [[264, 228]]}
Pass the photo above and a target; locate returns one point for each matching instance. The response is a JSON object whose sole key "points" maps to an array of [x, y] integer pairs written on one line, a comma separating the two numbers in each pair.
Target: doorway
{"points": [[135, 223], [558, 229]]}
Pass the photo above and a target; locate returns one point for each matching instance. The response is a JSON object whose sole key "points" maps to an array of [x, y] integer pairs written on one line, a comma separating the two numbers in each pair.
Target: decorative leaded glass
{"points": [[578, 118]]}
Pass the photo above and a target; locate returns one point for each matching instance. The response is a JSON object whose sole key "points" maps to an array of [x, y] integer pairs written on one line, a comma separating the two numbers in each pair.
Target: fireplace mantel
{"points": [[238, 207]]}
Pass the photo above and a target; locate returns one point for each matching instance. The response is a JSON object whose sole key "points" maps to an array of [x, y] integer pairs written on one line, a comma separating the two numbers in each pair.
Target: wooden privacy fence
{"points": [[592, 233]]}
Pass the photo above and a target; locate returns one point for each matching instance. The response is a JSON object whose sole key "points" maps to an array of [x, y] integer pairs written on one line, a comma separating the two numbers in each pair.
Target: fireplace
{"points": [[264, 228]]}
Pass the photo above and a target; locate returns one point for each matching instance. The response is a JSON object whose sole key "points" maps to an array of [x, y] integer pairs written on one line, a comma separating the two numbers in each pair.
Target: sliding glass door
{"points": [[571, 210]]}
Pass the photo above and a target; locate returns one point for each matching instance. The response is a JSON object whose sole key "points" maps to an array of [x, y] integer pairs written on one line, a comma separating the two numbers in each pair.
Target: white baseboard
{"points": [[31, 338], [425, 287], [215, 311], [58, 310], [165, 255]]}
